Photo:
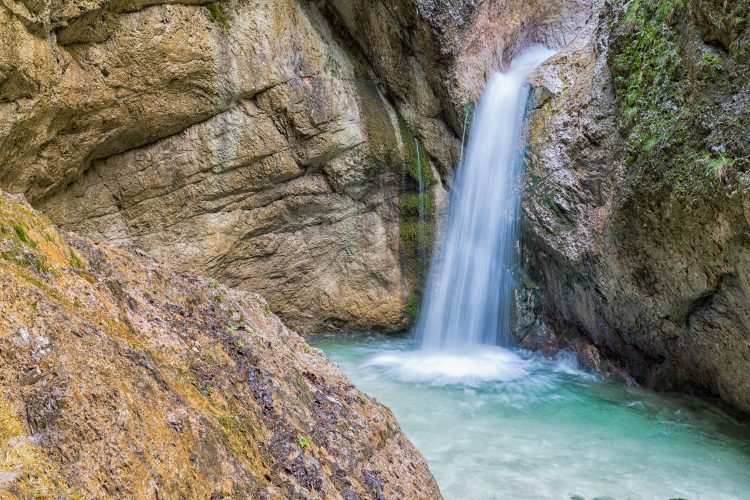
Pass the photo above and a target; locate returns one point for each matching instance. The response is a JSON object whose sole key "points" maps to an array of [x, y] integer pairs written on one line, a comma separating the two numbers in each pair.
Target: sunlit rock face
{"points": [[121, 378], [636, 203]]}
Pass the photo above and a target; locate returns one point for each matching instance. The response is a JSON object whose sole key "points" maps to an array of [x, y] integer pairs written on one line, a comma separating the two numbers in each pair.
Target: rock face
{"points": [[637, 209], [120, 378], [246, 141]]}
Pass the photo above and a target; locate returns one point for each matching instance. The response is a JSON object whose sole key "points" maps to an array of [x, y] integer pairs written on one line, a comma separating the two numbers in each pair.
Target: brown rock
{"points": [[649, 261]]}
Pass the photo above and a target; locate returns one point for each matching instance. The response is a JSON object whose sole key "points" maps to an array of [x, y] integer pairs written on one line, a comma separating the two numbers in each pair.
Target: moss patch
{"points": [[416, 230], [218, 15], [413, 160], [667, 112]]}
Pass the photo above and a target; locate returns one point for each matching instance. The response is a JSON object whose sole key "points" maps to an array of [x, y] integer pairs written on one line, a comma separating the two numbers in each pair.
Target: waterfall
{"points": [[470, 283]]}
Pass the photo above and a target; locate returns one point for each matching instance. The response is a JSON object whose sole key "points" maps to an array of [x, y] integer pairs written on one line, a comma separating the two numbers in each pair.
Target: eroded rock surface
{"points": [[120, 378], [246, 141]]}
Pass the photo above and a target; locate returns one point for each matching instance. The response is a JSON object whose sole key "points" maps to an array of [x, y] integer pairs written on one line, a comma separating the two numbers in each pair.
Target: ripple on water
{"points": [[496, 424]]}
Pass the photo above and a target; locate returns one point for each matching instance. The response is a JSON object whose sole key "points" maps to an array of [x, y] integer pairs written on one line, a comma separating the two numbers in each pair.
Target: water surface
{"points": [[501, 424]]}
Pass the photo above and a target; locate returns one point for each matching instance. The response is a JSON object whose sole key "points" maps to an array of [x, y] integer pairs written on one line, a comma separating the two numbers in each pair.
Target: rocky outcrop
{"points": [[120, 378], [248, 142], [636, 209]]}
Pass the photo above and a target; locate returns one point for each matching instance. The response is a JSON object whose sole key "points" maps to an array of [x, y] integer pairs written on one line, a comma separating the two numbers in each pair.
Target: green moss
{"points": [[416, 235], [21, 233], [665, 106], [412, 306], [711, 61], [410, 204], [652, 92], [217, 14], [412, 159], [718, 167], [685, 150], [409, 231], [646, 69], [75, 262]]}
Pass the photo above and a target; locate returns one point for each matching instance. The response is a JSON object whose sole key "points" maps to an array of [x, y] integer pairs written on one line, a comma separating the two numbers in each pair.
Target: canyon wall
{"points": [[277, 145], [273, 145], [250, 142]]}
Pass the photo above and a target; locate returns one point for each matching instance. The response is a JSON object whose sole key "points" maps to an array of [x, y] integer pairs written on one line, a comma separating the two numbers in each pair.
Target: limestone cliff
{"points": [[122, 379], [637, 199], [248, 141]]}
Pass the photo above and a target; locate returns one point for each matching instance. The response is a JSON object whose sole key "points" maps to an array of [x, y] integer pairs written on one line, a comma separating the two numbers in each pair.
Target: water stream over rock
{"points": [[467, 302]]}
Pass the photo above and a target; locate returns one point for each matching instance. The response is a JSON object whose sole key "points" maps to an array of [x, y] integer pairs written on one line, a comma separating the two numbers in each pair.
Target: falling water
{"points": [[470, 283]]}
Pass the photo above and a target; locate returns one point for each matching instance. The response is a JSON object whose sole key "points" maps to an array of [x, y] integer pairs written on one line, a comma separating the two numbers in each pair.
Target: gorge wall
{"points": [[637, 206], [268, 144], [271, 145], [247, 141]]}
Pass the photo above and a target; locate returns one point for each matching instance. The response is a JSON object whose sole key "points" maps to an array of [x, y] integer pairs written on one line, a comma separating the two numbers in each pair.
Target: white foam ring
{"points": [[471, 367]]}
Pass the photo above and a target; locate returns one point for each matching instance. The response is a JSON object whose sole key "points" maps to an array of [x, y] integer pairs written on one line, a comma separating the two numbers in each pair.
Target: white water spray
{"points": [[468, 296]]}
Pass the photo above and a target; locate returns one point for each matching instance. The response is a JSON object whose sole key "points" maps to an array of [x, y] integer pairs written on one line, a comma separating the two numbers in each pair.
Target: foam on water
{"points": [[470, 367]]}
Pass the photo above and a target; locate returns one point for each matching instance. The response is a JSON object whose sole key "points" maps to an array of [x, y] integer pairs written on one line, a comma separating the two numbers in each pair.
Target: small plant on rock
{"points": [[719, 167]]}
